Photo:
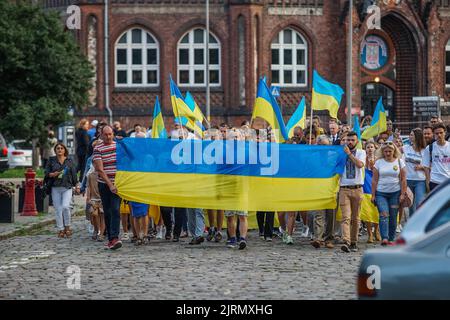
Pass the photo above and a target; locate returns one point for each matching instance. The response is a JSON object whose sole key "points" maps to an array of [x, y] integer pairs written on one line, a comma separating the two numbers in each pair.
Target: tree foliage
{"points": [[42, 71]]}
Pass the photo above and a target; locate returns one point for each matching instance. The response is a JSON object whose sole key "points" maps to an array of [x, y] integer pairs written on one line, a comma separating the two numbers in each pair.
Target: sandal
{"points": [[134, 239], [146, 240], [61, 234], [138, 242], [68, 232]]}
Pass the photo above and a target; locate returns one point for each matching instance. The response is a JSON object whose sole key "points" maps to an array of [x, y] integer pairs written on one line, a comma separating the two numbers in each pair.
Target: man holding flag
{"points": [[351, 193]]}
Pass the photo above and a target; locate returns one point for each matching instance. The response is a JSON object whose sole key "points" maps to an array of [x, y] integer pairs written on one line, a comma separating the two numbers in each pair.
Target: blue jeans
{"points": [[419, 190], [387, 204], [111, 210], [196, 222]]}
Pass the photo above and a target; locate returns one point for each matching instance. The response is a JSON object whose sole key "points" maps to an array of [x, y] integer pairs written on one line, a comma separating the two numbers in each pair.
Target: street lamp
{"points": [[350, 64]]}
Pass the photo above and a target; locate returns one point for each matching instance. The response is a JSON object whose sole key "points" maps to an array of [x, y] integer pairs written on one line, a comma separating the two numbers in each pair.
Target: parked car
{"points": [[419, 270], [20, 154], [433, 212], [3, 154]]}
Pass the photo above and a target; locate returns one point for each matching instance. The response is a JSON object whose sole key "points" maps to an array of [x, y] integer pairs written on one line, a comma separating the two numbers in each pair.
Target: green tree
{"points": [[42, 72]]}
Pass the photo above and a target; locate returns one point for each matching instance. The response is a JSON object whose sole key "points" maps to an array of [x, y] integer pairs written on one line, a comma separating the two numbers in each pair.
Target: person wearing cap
{"points": [[92, 130]]}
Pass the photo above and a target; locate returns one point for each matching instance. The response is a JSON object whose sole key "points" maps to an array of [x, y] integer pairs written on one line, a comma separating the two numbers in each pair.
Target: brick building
{"points": [[283, 39]]}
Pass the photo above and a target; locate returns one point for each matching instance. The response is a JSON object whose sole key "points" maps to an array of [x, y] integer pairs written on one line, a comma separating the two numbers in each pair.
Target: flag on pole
{"points": [[182, 110], [267, 108], [326, 95], [198, 125], [158, 128], [357, 129], [378, 124], [298, 119]]}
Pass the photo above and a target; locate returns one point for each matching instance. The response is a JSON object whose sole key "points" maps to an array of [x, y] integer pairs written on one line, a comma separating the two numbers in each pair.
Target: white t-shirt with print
{"points": [[440, 166], [389, 175], [413, 158], [359, 177]]}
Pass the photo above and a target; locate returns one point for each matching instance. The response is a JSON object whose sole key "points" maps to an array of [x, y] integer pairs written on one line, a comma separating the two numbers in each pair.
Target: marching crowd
{"points": [[402, 176]]}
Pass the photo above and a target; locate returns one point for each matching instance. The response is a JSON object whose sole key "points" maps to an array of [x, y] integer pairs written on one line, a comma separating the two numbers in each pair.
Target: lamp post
{"points": [[350, 64], [208, 108]]}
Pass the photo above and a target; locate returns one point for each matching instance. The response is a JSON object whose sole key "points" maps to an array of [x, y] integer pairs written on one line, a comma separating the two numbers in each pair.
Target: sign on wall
{"points": [[374, 53]]}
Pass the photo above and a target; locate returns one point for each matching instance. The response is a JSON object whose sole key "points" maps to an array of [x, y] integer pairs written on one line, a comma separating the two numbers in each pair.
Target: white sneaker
{"points": [[159, 234], [125, 236], [305, 232], [398, 230]]}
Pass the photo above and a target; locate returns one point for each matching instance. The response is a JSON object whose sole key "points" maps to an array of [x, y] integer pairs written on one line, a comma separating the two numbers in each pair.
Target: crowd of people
{"points": [[398, 171]]}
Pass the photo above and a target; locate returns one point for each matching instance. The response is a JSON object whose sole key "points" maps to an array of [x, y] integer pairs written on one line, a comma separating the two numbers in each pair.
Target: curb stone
{"points": [[34, 226]]}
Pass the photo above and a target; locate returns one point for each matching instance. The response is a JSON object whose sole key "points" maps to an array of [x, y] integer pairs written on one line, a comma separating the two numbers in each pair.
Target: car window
{"points": [[435, 191], [442, 217], [22, 145]]}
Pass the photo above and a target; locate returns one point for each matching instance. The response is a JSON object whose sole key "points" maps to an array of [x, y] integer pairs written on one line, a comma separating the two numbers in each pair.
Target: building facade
{"points": [[148, 40]]}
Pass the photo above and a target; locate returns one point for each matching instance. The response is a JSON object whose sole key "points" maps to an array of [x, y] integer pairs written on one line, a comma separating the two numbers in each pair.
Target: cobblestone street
{"points": [[34, 267]]}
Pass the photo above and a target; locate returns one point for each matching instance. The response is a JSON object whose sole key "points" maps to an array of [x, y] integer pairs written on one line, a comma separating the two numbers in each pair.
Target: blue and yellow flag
{"points": [[198, 125], [158, 128], [298, 119], [326, 95], [266, 107], [357, 129], [229, 175], [182, 110], [369, 211], [378, 124]]}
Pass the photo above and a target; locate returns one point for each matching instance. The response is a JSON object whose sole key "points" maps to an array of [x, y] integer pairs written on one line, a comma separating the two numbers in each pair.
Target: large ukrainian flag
{"points": [[326, 95], [378, 124], [301, 178], [158, 128], [298, 119], [267, 108]]}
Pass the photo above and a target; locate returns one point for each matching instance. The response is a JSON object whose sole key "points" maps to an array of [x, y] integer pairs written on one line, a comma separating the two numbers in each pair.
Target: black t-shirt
{"points": [[120, 133]]}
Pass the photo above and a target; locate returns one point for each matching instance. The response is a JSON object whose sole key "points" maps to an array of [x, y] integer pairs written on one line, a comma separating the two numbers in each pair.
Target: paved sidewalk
{"points": [[40, 266], [24, 224]]}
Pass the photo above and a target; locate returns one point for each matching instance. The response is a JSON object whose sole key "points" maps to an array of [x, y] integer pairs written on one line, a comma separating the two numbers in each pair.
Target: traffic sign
{"points": [[426, 106], [275, 91]]}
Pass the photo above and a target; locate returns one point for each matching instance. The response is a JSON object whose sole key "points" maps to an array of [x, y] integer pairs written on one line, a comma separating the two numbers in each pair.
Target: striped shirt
{"points": [[107, 154]]}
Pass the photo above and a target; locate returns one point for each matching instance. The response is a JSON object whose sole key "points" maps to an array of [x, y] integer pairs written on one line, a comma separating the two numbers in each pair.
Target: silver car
{"points": [[420, 270], [433, 212]]}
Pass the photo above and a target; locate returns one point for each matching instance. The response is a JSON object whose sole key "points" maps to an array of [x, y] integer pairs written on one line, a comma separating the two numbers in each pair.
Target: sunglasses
{"points": [[388, 143]]}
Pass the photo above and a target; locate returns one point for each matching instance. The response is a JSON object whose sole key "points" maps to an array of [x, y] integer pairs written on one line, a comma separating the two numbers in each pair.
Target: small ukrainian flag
{"points": [[267, 108], [298, 119], [158, 128], [326, 95]]}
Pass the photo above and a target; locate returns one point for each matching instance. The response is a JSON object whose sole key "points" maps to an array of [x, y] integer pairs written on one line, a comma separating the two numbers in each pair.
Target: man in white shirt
{"points": [[351, 193], [437, 157]]}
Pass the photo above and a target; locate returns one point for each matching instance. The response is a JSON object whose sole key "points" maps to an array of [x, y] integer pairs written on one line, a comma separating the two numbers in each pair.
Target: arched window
{"points": [[289, 59], [137, 59], [191, 59], [447, 65]]}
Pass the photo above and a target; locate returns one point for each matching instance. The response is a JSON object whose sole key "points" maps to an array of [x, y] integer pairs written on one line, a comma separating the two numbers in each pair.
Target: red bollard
{"points": [[29, 205]]}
